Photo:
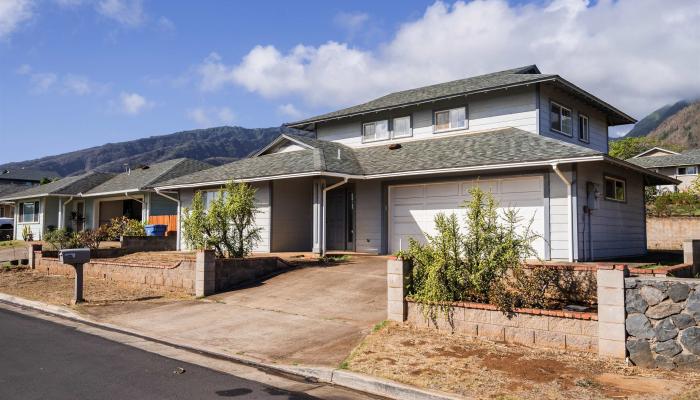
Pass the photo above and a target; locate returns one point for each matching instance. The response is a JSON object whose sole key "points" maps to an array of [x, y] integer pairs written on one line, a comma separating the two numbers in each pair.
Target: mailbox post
{"points": [[76, 258]]}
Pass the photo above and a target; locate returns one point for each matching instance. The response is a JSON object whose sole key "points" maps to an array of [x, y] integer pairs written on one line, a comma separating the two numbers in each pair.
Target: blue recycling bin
{"points": [[156, 230]]}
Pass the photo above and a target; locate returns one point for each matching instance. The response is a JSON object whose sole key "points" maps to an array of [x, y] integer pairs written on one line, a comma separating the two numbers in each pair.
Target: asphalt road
{"points": [[43, 360]]}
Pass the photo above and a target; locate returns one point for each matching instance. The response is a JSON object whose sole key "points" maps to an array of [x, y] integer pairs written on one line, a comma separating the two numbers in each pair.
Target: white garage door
{"points": [[412, 208]]}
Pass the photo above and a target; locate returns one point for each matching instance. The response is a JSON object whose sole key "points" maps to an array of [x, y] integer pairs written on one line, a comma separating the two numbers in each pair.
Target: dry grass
{"points": [[486, 370], [56, 289]]}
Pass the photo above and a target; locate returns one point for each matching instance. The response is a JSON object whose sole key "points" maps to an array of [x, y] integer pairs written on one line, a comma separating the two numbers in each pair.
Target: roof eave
{"points": [[659, 179]]}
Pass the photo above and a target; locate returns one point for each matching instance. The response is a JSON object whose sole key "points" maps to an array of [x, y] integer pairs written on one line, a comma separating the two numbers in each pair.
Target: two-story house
{"points": [[372, 176]]}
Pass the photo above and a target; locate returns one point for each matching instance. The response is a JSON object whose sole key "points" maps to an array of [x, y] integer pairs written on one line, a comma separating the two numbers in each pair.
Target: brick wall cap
{"points": [[588, 316]]}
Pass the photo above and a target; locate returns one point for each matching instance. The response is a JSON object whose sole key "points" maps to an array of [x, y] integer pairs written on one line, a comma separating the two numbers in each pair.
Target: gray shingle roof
{"points": [[509, 77], [690, 157], [71, 185], [503, 146], [507, 145], [144, 178], [27, 174]]}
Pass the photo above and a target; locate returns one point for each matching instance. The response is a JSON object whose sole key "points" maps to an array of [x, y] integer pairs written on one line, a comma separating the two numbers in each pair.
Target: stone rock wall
{"points": [[663, 322]]}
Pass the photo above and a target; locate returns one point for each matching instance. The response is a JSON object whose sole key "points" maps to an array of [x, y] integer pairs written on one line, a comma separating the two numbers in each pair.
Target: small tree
{"points": [[227, 226]]}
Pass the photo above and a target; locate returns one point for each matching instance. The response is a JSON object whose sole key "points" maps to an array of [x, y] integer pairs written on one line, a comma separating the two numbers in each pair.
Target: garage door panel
{"points": [[413, 208]]}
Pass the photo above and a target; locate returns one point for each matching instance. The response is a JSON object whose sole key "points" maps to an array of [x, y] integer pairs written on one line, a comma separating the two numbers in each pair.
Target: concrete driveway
{"points": [[314, 315]]}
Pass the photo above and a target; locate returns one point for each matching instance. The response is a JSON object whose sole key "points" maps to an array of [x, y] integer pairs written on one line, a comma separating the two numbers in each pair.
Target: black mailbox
{"points": [[74, 256]]}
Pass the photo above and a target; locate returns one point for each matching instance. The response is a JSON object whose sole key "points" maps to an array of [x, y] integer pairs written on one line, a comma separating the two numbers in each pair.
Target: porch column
{"points": [[318, 228]]}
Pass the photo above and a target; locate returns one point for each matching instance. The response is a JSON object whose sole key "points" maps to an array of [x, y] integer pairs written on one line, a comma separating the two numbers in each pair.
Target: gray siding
{"points": [[292, 202], [558, 217], [512, 108], [615, 229], [162, 206], [368, 218], [598, 126]]}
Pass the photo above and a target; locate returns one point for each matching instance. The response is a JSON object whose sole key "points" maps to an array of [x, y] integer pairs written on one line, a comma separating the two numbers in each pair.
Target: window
{"points": [[373, 131], [29, 212], [614, 189], [455, 118], [401, 127], [690, 170], [560, 119], [583, 130]]}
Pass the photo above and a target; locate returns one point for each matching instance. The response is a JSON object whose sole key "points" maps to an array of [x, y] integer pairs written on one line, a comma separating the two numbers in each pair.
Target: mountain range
{"points": [[673, 124], [212, 145]]}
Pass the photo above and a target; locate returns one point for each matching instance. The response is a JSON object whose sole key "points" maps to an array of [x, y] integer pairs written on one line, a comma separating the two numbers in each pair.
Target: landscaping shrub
{"points": [[486, 264], [683, 203], [124, 226], [227, 226], [471, 266], [64, 239]]}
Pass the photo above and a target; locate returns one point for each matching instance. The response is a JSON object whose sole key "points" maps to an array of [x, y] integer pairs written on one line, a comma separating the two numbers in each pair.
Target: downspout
{"points": [[323, 222], [62, 217], [179, 211], [555, 168]]}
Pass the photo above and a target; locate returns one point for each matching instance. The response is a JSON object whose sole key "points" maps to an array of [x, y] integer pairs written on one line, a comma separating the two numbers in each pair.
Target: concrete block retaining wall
{"points": [[663, 322], [179, 276], [149, 243], [575, 331], [668, 233], [233, 272]]}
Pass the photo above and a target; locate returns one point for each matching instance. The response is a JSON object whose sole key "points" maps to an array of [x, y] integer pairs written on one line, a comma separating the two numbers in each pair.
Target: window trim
{"points": [[615, 179], [410, 127], [388, 127], [466, 119], [561, 106], [686, 167], [20, 218], [588, 125]]}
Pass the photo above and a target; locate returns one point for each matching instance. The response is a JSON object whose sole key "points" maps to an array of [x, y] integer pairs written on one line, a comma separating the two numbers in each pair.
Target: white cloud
{"points": [[133, 103], [165, 25], [289, 110], [210, 116], [126, 12], [636, 54], [42, 81], [351, 21], [81, 85], [12, 14]]}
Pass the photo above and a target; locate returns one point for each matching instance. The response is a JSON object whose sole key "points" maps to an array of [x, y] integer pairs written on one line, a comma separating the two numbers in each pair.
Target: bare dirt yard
{"points": [[55, 289], [485, 370]]}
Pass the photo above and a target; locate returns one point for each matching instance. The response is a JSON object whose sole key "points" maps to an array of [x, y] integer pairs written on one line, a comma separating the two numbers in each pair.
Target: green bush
{"points": [[124, 226], [683, 203], [64, 239], [227, 226], [471, 266]]}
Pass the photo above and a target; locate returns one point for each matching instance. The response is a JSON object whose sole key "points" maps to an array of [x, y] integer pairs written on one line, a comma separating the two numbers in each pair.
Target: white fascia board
{"points": [[109, 193], [258, 179], [278, 141]]}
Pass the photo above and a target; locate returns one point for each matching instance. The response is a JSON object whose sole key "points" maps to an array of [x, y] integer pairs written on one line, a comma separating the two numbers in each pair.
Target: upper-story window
{"points": [[373, 131], [401, 127], [584, 133], [455, 118], [689, 170], [560, 119]]}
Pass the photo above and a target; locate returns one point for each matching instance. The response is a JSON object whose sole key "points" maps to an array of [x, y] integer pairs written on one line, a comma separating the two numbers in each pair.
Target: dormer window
{"points": [[448, 120], [373, 131], [560, 119]]}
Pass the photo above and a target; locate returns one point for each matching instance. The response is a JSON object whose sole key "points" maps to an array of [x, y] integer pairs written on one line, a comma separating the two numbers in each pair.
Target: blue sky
{"points": [[80, 73]]}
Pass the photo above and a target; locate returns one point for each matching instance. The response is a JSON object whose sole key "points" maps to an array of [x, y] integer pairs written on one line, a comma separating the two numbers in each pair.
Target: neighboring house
{"points": [[41, 207], [14, 180], [681, 166], [93, 199], [376, 174]]}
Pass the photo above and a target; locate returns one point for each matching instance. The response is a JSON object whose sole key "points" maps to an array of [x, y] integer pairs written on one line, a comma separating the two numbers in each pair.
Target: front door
{"points": [[340, 216], [79, 216]]}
